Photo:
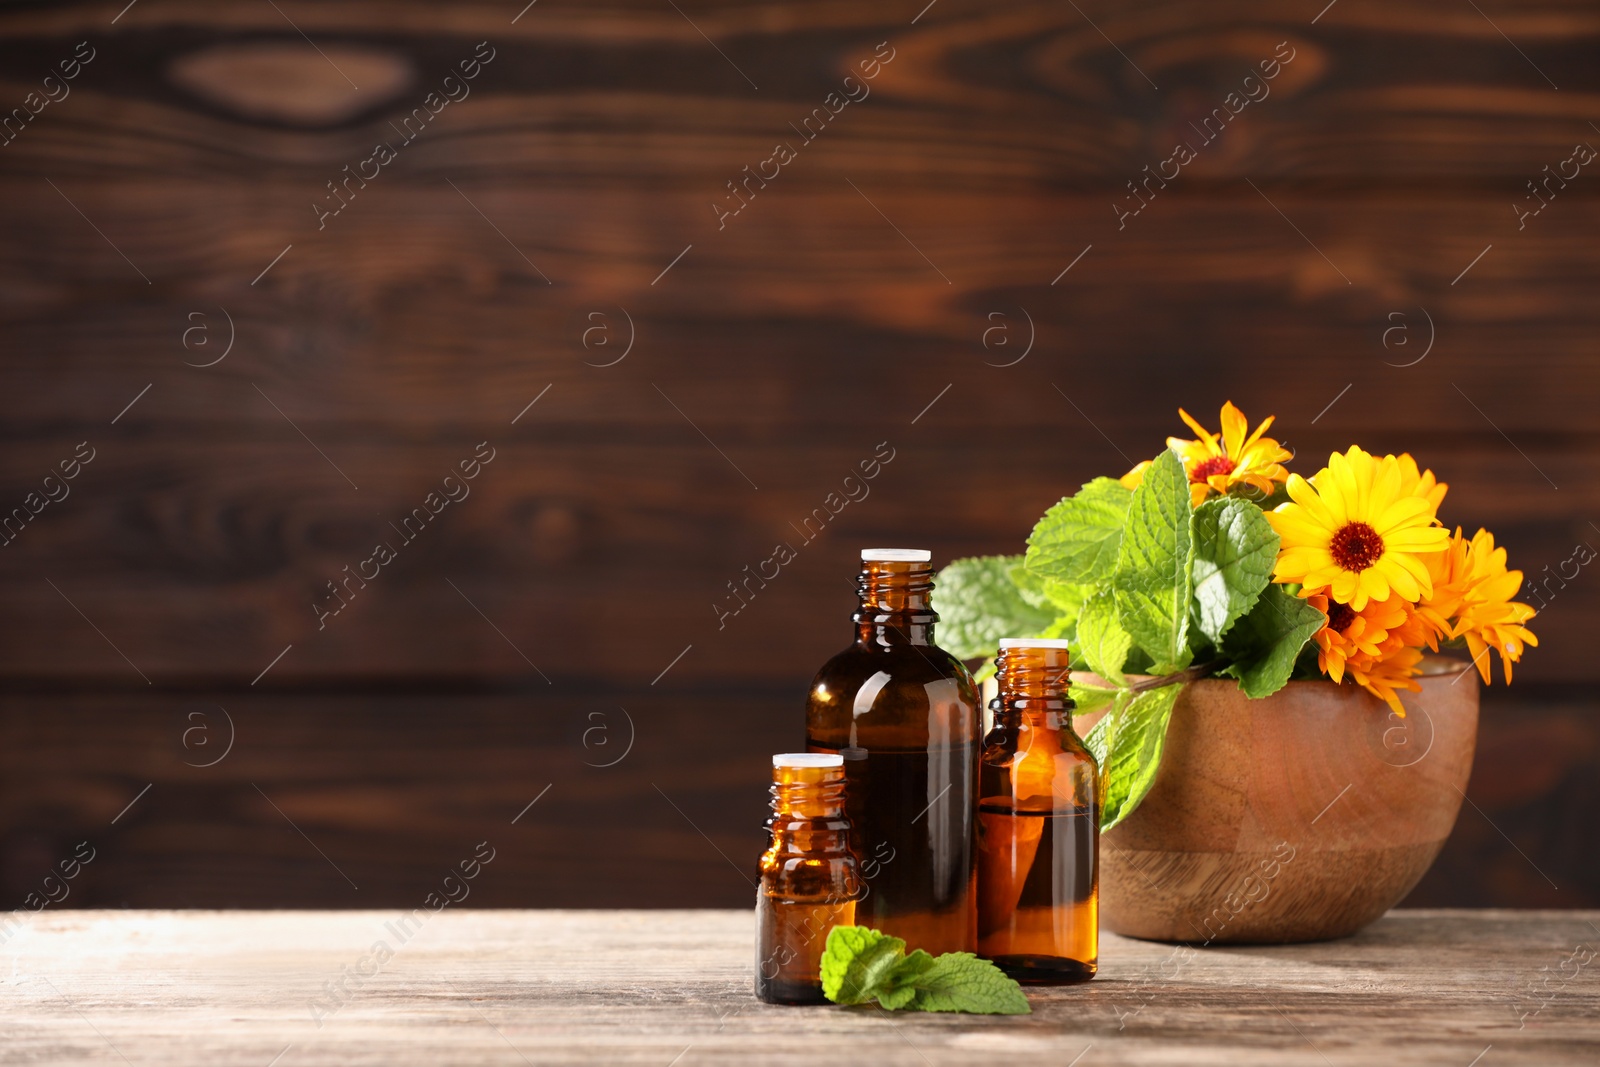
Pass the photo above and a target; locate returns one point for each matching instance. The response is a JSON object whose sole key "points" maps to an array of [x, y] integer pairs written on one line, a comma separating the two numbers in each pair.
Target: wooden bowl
{"points": [[1299, 817]]}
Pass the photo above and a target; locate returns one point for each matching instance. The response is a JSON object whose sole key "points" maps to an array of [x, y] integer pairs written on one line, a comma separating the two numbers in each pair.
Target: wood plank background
{"points": [[537, 626]]}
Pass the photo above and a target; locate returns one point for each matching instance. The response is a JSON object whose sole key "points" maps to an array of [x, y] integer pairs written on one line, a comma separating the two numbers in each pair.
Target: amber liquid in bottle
{"points": [[903, 714], [809, 879], [1038, 825]]}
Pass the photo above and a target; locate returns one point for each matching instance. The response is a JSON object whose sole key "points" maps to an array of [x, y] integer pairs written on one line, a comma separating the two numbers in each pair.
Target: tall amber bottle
{"points": [[809, 879], [1038, 825], [903, 713]]}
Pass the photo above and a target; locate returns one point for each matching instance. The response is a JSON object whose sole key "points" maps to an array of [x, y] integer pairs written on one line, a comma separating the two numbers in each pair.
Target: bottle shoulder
{"points": [[902, 694], [913, 664]]}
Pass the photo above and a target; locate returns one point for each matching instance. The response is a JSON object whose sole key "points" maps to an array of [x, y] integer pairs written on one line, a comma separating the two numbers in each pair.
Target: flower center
{"points": [[1340, 616], [1355, 546], [1209, 466]]}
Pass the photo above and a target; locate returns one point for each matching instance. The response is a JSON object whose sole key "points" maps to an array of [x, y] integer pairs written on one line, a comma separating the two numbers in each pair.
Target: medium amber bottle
{"points": [[903, 713], [809, 879], [1038, 825]]}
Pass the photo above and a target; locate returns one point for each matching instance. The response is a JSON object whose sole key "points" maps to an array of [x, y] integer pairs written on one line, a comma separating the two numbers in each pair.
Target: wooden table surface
{"points": [[1480, 988]]}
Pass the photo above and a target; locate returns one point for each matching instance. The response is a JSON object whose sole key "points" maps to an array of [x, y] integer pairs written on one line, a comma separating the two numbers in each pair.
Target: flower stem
{"points": [[1200, 670]]}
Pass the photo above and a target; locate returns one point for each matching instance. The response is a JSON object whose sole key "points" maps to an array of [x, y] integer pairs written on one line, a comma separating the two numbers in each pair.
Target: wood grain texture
{"points": [[777, 351], [1300, 816], [1035, 94], [645, 987], [391, 786]]}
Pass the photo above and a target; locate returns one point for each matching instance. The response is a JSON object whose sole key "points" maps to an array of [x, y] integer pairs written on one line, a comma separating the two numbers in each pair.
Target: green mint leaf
{"points": [[1030, 586], [1077, 539], [1050, 594], [897, 998], [1135, 734], [902, 982], [857, 962], [1153, 576], [1102, 642], [859, 965], [1264, 644], [960, 981], [978, 604], [1066, 598], [1095, 739], [1089, 698], [1234, 550]]}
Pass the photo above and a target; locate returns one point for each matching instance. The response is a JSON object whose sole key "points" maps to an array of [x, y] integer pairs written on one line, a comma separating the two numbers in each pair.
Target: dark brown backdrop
{"points": [[568, 202]]}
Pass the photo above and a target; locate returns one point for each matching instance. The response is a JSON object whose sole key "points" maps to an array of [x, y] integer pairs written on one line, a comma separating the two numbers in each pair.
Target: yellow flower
{"points": [[1471, 598], [1226, 461], [1350, 635], [1382, 677], [1447, 570], [1413, 483], [1353, 533], [1233, 461], [1377, 646]]}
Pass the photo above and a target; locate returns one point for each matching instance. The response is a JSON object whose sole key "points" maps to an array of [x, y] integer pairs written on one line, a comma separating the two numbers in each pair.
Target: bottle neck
{"points": [[808, 813], [818, 798], [1033, 687], [896, 606]]}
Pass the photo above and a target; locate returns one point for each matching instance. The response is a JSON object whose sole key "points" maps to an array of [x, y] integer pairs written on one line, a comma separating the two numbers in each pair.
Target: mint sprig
{"points": [[861, 964]]}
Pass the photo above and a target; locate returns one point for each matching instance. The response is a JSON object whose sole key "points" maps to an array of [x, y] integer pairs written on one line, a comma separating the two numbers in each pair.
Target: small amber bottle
{"points": [[903, 713], [1038, 825], [809, 880]]}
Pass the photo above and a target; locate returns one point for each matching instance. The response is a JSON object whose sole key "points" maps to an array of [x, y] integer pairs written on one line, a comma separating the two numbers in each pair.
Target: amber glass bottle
{"points": [[1038, 825], [809, 879], [903, 714]]}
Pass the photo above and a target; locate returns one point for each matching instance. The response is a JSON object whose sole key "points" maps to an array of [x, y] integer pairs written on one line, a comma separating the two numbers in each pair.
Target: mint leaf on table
{"points": [[960, 981], [861, 964], [1153, 579], [902, 984], [857, 962], [1077, 539], [979, 603], [1264, 644], [1234, 550]]}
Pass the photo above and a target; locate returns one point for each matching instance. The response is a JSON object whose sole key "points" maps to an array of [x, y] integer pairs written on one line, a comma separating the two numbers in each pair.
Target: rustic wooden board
{"points": [[415, 317], [387, 789], [226, 988], [795, 338], [1035, 93], [202, 564]]}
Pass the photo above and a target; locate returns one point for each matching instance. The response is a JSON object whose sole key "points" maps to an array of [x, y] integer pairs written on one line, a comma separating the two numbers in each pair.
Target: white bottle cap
{"points": [[808, 759], [896, 555], [1032, 642]]}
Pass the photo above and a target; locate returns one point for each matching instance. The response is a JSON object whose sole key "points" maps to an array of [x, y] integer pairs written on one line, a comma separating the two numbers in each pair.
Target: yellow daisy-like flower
{"points": [[1471, 598], [1447, 570], [1355, 534], [1350, 635], [1234, 459], [1384, 677], [1378, 646], [1419, 483]]}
